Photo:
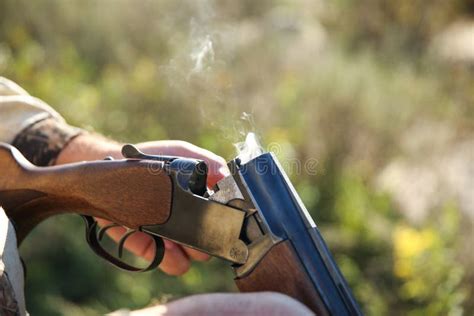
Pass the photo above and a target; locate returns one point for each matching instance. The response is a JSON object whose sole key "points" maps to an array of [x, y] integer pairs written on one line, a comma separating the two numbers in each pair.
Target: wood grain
{"points": [[281, 271], [131, 193]]}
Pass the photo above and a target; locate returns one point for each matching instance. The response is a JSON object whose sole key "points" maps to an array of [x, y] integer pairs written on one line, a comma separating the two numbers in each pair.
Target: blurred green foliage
{"points": [[337, 81]]}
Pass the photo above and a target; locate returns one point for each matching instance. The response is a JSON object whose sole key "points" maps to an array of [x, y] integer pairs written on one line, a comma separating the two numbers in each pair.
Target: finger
{"points": [[217, 165], [214, 177], [139, 243], [175, 261], [196, 254]]}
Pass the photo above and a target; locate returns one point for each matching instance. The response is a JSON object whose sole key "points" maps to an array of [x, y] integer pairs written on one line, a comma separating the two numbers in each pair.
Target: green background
{"points": [[363, 88]]}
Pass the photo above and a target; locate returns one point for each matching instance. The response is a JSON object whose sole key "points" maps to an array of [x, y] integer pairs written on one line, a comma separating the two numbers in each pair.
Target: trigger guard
{"points": [[94, 244]]}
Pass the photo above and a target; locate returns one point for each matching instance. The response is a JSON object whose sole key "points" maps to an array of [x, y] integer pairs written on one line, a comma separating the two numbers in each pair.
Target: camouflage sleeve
{"points": [[31, 125]]}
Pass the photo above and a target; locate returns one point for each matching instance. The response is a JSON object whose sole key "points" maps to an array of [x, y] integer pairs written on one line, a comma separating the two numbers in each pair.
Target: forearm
{"points": [[88, 146]]}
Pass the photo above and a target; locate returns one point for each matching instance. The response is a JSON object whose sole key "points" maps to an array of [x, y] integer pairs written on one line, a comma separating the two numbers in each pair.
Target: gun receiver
{"points": [[253, 218]]}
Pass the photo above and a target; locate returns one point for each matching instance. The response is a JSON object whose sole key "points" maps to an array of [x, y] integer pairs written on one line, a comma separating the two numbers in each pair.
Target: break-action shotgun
{"points": [[253, 218]]}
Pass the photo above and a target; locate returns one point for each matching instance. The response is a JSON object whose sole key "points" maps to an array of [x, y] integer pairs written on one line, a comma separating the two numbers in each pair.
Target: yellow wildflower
{"points": [[408, 244]]}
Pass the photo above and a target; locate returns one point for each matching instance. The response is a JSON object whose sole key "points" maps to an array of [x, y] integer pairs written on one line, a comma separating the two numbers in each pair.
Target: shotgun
{"points": [[253, 218]]}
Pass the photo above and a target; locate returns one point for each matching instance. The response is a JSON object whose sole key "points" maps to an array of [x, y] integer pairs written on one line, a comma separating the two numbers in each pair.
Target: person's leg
{"points": [[262, 303]]}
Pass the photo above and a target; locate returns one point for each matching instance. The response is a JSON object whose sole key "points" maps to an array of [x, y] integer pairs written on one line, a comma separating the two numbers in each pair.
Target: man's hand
{"points": [[92, 147]]}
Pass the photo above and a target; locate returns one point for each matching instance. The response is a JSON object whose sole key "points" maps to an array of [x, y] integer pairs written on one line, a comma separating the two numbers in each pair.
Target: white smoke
{"points": [[203, 54], [250, 148]]}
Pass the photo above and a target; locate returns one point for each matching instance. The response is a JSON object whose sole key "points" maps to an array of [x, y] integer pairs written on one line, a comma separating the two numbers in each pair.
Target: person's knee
{"points": [[279, 304], [259, 303]]}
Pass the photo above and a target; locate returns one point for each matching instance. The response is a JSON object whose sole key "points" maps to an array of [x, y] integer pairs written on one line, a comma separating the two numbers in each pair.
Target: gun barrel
{"points": [[286, 217]]}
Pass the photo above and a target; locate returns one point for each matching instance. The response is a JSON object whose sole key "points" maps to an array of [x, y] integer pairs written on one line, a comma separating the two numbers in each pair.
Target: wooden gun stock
{"points": [[131, 193]]}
